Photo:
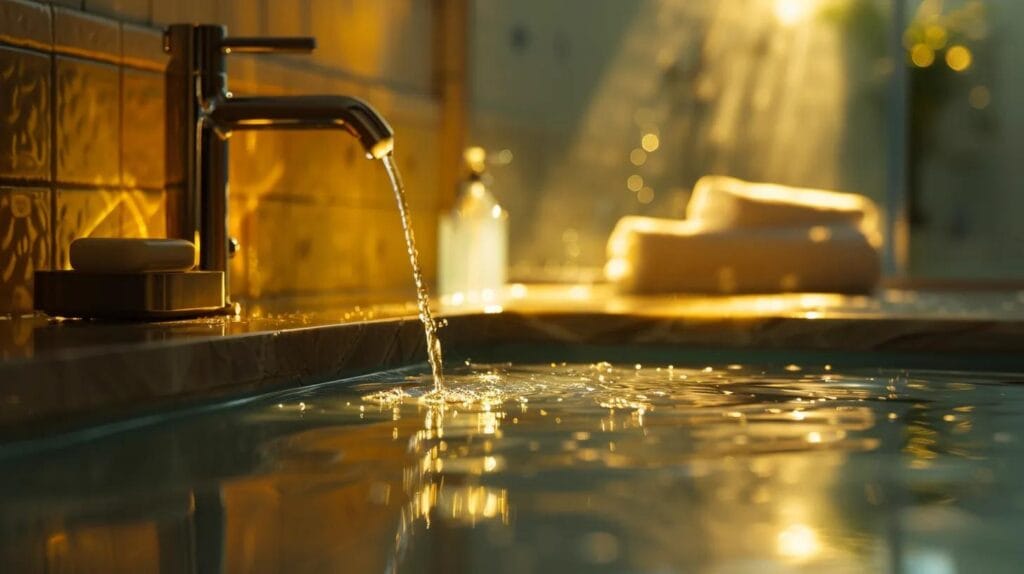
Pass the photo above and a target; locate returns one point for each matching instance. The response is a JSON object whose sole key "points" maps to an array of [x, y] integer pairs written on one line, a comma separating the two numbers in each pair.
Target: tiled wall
{"points": [[82, 139]]}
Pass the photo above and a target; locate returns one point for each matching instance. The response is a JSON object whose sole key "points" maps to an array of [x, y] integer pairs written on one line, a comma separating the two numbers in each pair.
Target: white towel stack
{"points": [[742, 237]]}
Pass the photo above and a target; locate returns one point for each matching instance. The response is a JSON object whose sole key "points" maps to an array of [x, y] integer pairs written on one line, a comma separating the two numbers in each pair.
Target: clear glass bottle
{"points": [[473, 240]]}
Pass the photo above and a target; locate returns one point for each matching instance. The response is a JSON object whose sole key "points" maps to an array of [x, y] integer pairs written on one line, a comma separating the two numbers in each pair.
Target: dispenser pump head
{"points": [[476, 160]]}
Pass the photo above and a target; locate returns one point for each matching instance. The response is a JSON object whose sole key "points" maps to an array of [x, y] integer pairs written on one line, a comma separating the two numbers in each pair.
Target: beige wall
{"points": [[726, 85], [81, 138]]}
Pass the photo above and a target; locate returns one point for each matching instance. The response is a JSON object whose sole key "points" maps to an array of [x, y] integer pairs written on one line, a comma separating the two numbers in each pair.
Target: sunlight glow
{"points": [[792, 12], [798, 541]]}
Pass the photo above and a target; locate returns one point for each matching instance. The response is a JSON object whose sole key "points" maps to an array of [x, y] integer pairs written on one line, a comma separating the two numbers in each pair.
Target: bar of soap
{"points": [[129, 255]]}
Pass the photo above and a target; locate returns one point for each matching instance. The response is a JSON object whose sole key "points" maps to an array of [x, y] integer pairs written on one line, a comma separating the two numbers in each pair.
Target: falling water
{"points": [[422, 297]]}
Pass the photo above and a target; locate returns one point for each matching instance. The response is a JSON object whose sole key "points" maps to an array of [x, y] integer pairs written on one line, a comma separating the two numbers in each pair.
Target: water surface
{"points": [[587, 467]]}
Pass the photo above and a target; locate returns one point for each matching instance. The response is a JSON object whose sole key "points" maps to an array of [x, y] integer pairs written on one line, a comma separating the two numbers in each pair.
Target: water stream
{"points": [[422, 296]]}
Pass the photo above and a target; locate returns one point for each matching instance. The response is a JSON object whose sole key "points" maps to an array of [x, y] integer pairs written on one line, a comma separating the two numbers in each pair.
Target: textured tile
{"points": [[323, 165], [384, 40], [240, 213], [255, 163], [289, 18], [242, 17], [417, 151], [178, 11], [81, 34], [299, 248], [24, 114], [142, 129], [88, 119], [130, 10], [26, 24], [101, 213], [329, 166], [143, 213], [382, 252], [24, 244], [84, 213], [173, 205], [408, 57], [143, 47]]}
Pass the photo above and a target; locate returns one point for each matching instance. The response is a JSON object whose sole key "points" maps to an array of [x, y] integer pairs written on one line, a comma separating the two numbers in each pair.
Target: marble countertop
{"points": [[34, 338], [56, 374]]}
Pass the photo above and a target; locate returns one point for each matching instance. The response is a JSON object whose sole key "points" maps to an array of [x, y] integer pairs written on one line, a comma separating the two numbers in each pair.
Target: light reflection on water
{"points": [[561, 467]]}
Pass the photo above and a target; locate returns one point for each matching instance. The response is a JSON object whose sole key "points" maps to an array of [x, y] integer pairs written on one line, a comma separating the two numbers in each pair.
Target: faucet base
{"points": [[147, 296]]}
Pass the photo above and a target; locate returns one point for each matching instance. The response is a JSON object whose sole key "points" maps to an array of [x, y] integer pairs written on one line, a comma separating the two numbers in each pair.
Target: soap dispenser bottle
{"points": [[473, 240]]}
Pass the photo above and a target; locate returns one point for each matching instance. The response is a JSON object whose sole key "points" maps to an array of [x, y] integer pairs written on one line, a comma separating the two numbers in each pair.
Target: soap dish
{"points": [[126, 278], [153, 295]]}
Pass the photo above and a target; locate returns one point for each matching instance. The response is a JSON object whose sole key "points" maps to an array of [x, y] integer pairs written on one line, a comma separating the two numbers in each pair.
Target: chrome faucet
{"points": [[201, 114], [198, 101]]}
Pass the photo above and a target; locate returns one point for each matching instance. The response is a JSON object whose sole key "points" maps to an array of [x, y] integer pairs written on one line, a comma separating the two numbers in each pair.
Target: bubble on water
{"points": [[387, 397]]}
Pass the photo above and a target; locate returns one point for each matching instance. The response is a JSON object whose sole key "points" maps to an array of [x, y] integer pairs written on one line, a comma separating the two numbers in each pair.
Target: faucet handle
{"points": [[258, 45]]}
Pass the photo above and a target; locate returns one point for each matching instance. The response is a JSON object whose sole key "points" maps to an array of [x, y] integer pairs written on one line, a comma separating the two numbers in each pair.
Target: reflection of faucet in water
{"points": [[443, 484], [202, 113], [208, 529]]}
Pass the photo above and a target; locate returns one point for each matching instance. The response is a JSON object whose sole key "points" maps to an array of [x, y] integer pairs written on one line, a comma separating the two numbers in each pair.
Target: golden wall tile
{"points": [[311, 213], [288, 18], [24, 244], [381, 253], [242, 17], [256, 165], [416, 153], [130, 10], [103, 213], [85, 213], [88, 122], [303, 164], [142, 131], [178, 11], [240, 210], [28, 24], [143, 47], [173, 206], [87, 36], [409, 50], [381, 40], [143, 213], [24, 114], [297, 247]]}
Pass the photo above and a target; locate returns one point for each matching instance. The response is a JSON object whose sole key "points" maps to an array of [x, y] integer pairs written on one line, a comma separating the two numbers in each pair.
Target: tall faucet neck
{"points": [[201, 113], [197, 52]]}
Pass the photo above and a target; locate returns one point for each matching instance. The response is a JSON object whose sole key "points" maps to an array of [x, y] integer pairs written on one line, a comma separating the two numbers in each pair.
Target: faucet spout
{"points": [[307, 112], [202, 113]]}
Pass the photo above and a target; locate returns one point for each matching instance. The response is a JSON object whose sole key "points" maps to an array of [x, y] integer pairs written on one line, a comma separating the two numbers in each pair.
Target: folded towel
{"points": [[649, 255], [721, 202]]}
